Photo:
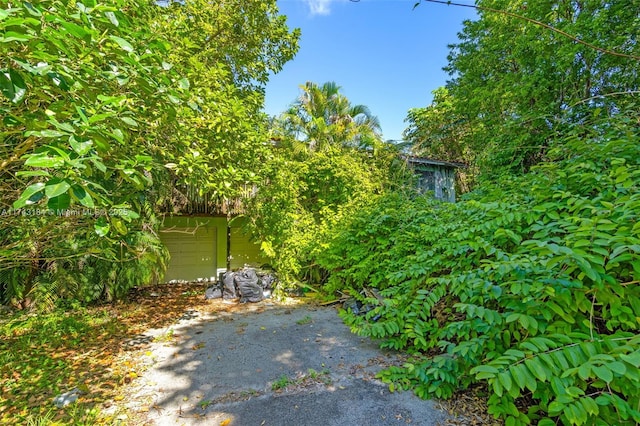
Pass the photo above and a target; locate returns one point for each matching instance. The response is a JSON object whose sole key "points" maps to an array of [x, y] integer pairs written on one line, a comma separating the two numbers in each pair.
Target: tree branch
{"points": [[539, 23]]}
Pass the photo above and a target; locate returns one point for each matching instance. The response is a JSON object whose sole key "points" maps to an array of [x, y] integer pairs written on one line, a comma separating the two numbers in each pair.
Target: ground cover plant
{"points": [[45, 355], [529, 286]]}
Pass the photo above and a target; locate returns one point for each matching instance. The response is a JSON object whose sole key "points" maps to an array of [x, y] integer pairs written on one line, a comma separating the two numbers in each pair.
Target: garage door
{"points": [[193, 253], [244, 251]]}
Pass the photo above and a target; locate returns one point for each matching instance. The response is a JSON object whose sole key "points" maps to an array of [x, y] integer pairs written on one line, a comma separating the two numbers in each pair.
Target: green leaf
{"points": [[124, 44], [118, 135], [126, 214], [484, 372], [521, 375], [45, 133], [112, 17], [30, 195], [590, 406], [97, 162], [602, 372], [584, 371], [82, 196], [82, 115], [10, 36], [633, 358], [496, 291], [12, 85], [61, 202], [111, 100], [55, 187], [32, 173], [119, 225], [505, 380], [31, 9], [556, 408], [59, 80], [130, 121], [42, 159], [144, 159], [497, 387], [183, 83], [76, 30], [536, 368], [80, 147], [101, 226], [617, 367]]}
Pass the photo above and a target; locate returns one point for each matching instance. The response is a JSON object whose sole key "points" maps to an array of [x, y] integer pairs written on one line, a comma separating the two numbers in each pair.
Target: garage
{"points": [[243, 250], [193, 252]]}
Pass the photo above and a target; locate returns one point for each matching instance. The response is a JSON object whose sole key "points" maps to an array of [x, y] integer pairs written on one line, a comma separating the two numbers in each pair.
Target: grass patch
{"points": [[312, 377], [306, 320], [281, 383]]}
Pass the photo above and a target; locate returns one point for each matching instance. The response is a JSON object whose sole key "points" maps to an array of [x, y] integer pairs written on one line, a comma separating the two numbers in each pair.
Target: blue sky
{"points": [[383, 53]]}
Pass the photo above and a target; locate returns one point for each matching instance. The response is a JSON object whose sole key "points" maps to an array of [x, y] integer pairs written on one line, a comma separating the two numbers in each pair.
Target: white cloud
{"points": [[319, 7]]}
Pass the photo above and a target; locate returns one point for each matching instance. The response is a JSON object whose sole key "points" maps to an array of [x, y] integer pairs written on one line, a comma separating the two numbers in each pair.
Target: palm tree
{"points": [[323, 118]]}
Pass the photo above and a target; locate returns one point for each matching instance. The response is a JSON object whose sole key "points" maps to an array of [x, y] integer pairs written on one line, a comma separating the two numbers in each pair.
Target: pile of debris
{"points": [[247, 284], [366, 301]]}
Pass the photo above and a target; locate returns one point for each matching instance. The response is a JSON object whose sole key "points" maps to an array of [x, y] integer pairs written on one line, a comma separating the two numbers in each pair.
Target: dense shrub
{"points": [[105, 108], [530, 286], [304, 198], [49, 257]]}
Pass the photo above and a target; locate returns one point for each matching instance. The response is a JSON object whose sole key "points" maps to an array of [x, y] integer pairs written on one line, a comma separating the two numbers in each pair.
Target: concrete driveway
{"points": [[267, 364]]}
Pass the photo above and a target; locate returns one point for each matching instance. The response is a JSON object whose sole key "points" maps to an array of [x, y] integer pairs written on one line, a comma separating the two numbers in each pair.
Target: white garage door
{"points": [[193, 253]]}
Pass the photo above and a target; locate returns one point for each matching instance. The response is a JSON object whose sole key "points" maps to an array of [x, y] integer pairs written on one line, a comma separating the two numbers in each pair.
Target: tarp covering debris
{"points": [[247, 284]]}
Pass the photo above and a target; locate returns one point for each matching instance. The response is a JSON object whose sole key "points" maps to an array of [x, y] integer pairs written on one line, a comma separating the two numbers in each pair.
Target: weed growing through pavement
{"points": [[305, 320]]}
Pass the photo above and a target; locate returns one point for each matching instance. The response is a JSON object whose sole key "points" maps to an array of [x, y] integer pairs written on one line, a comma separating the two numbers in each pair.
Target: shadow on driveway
{"points": [[266, 364]]}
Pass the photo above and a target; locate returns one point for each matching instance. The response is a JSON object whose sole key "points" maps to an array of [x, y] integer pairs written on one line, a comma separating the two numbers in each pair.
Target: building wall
{"points": [[438, 179], [198, 247], [244, 251]]}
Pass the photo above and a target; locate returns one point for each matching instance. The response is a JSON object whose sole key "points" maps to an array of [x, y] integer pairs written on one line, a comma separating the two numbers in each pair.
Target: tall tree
{"points": [[226, 50], [323, 117], [525, 71]]}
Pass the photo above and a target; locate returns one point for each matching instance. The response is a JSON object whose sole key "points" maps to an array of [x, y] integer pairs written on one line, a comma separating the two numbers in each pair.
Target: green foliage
{"points": [[105, 108], [77, 80], [517, 84], [38, 360], [327, 160], [323, 118], [306, 196], [439, 131], [225, 52], [530, 285], [90, 94], [281, 383], [62, 257]]}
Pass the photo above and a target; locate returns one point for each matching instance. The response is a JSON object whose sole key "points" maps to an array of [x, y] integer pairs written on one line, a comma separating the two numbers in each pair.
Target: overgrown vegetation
{"points": [[89, 349], [522, 75], [530, 286], [106, 108], [327, 160]]}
